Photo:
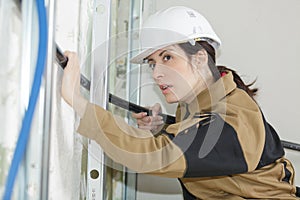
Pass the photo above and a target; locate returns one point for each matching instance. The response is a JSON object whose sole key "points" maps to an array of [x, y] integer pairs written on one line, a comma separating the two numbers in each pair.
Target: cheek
{"points": [[192, 77], [184, 77], [184, 85]]}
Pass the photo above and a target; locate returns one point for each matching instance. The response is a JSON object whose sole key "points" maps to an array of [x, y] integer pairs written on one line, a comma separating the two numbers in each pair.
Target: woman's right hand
{"points": [[153, 123], [70, 89]]}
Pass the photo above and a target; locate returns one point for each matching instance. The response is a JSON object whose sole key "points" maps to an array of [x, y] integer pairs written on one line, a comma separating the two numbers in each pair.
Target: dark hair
{"points": [[217, 70]]}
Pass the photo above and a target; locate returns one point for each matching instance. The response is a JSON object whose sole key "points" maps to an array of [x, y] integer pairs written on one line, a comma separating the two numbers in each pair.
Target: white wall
{"points": [[10, 81], [260, 40], [67, 178]]}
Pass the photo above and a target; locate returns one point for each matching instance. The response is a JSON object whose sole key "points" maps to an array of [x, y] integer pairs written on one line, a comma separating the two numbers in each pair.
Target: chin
{"points": [[171, 99]]}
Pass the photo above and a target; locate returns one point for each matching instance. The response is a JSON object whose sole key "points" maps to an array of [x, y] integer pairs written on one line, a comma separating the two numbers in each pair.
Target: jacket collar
{"points": [[207, 100]]}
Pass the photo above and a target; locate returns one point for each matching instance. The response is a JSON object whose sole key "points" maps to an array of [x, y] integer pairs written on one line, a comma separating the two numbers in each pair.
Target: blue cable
{"points": [[26, 124]]}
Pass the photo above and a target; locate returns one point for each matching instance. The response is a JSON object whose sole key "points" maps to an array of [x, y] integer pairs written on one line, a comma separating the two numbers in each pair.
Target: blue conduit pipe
{"points": [[26, 124]]}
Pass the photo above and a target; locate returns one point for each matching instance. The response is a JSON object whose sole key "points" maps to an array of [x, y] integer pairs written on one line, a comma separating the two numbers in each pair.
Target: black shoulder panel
{"points": [[273, 149], [211, 148]]}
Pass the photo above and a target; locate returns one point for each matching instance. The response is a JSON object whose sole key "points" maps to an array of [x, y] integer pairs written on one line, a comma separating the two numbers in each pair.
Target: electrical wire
{"points": [[26, 124]]}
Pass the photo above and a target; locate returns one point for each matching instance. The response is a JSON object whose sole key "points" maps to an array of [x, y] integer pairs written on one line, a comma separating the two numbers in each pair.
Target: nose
{"points": [[157, 72]]}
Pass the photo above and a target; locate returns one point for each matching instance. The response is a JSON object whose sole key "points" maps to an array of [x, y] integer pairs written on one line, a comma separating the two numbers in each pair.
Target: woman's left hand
{"points": [[153, 122]]}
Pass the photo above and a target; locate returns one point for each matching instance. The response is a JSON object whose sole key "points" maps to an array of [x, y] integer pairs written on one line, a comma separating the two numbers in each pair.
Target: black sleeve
{"points": [[211, 148]]}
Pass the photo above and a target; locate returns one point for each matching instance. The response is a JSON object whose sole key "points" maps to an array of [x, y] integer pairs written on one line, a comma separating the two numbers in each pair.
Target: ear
{"points": [[200, 58]]}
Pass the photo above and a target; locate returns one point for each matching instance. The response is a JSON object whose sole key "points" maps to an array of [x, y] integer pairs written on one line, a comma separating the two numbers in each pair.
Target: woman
{"points": [[221, 146]]}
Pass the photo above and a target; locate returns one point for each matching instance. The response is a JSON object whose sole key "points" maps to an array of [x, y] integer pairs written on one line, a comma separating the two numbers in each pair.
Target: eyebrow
{"points": [[161, 53]]}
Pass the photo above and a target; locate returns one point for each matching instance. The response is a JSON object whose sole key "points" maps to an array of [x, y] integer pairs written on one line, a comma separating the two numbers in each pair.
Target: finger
{"points": [[143, 122], [149, 128], [139, 115], [157, 120], [156, 123], [150, 121]]}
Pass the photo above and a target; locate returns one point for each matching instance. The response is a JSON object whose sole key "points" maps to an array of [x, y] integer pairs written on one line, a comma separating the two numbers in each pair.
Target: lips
{"points": [[164, 88]]}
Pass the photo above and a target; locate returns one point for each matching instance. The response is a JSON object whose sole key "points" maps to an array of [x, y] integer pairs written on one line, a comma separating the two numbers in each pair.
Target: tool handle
{"points": [[168, 119], [62, 60]]}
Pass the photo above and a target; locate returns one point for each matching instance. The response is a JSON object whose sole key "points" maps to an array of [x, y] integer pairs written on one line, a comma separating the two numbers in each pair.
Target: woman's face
{"points": [[180, 78]]}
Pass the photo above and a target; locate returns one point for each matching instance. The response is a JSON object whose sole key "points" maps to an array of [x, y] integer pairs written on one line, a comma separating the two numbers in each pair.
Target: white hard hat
{"points": [[171, 26]]}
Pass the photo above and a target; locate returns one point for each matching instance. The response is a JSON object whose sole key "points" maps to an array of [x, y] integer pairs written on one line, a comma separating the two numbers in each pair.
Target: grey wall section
{"points": [[260, 40]]}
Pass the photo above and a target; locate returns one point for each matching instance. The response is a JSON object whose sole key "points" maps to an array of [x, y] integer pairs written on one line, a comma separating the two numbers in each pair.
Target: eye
{"points": [[167, 57]]}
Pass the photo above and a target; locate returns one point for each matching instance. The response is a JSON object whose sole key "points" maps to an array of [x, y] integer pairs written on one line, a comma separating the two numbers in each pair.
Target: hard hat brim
{"points": [[147, 51], [140, 58]]}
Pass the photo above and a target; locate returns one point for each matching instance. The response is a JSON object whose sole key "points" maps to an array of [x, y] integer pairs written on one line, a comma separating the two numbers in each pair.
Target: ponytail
{"points": [[239, 82], [217, 70]]}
